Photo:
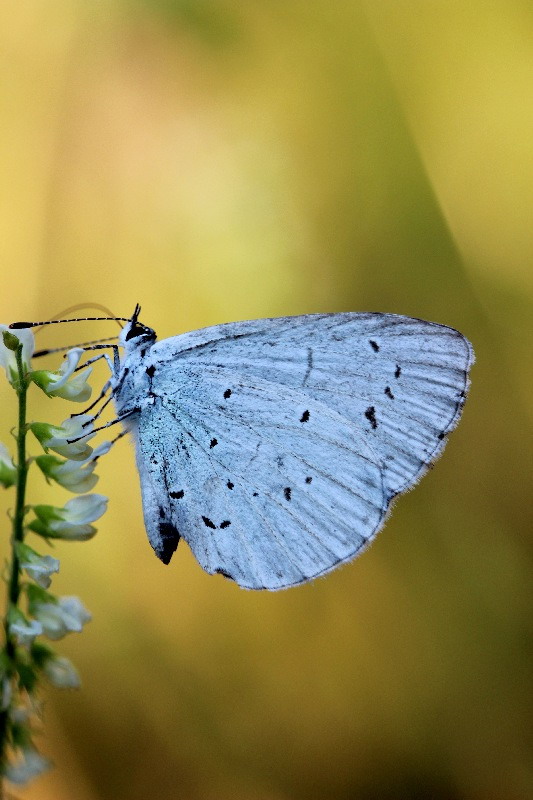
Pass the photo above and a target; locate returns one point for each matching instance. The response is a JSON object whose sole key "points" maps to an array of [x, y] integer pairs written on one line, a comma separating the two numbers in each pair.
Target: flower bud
{"points": [[61, 673], [39, 568], [58, 616], [10, 340], [22, 629], [59, 670]]}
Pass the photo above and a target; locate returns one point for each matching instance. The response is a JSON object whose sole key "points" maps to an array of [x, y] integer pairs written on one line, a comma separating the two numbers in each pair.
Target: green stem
{"points": [[13, 587], [22, 469]]}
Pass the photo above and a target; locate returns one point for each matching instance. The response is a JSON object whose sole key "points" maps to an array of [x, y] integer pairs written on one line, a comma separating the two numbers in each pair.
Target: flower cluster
{"points": [[33, 613]]}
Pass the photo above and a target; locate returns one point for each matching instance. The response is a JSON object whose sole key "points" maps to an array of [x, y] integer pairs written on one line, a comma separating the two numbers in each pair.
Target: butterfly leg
{"points": [[114, 365], [105, 389], [96, 358], [118, 436], [102, 394], [95, 416], [107, 425]]}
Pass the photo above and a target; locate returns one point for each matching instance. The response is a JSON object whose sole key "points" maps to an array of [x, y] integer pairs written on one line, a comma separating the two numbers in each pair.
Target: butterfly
{"points": [[276, 447]]}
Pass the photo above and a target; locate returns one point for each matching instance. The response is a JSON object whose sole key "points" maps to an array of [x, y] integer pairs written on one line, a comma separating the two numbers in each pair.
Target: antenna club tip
{"points": [[18, 325]]}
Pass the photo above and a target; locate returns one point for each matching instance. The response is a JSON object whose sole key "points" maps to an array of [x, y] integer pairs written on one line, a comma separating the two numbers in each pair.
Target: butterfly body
{"points": [[276, 447]]}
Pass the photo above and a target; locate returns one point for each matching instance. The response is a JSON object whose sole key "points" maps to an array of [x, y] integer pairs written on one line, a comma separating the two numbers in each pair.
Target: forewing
{"points": [[400, 381]]}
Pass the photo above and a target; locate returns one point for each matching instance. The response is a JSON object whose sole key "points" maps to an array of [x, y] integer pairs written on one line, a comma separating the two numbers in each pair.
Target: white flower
{"points": [[7, 356], [76, 476], [101, 450], [39, 568], [56, 437], [8, 471], [61, 673], [25, 630], [71, 521], [30, 764], [67, 615], [65, 382], [81, 510]]}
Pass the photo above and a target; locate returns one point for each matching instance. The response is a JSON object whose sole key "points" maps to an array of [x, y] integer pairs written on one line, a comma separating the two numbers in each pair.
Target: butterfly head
{"points": [[135, 334]]}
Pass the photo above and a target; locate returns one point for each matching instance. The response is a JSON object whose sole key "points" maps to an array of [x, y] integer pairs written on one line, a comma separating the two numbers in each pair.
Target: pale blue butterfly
{"points": [[276, 447]]}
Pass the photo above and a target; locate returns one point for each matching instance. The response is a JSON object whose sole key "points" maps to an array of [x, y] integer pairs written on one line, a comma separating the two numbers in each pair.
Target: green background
{"points": [[218, 161]]}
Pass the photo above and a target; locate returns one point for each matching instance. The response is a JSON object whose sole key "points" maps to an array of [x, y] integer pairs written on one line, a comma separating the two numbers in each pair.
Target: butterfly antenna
{"points": [[19, 325], [79, 306], [39, 353], [53, 321]]}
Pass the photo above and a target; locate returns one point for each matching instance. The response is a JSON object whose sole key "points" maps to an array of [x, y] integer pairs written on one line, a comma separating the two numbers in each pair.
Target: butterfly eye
{"points": [[136, 330]]}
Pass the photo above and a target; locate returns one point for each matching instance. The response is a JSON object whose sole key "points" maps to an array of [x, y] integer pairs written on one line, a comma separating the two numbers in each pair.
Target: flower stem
{"points": [[13, 586], [22, 473]]}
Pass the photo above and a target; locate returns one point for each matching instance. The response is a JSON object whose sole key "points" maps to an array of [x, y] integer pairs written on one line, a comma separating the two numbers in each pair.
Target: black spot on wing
{"points": [[370, 414], [255, 494], [209, 523], [170, 537], [305, 416], [177, 495], [389, 393], [230, 485], [308, 479], [374, 345], [213, 442], [287, 492], [225, 524], [150, 371], [441, 436], [227, 394], [397, 371]]}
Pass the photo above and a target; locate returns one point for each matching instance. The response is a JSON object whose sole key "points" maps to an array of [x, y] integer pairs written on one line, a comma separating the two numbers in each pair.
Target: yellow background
{"points": [[218, 161]]}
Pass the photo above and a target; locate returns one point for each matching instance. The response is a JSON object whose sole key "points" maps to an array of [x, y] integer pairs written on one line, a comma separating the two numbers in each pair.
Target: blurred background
{"points": [[215, 161]]}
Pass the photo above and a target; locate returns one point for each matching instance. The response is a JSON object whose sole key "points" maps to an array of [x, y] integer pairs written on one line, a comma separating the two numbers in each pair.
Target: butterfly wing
{"points": [[284, 441], [259, 496]]}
